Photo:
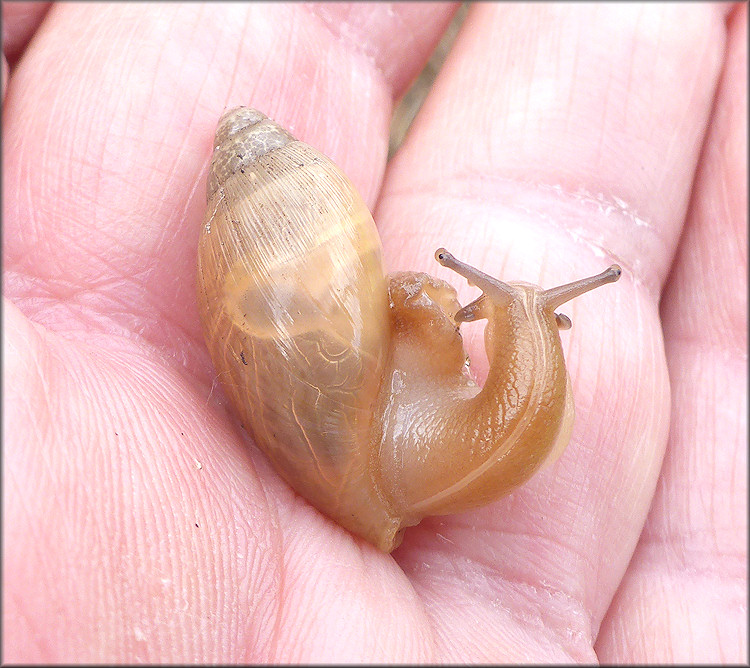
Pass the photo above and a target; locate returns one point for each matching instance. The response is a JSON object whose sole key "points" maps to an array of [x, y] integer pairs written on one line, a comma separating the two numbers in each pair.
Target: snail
{"points": [[354, 384]]}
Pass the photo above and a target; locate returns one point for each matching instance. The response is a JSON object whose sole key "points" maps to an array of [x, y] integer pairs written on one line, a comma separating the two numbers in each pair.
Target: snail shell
{"points": [[354, 384]]}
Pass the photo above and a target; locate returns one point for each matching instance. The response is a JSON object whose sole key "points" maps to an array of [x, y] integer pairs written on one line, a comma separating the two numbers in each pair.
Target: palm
{"points": [[141, 523]]}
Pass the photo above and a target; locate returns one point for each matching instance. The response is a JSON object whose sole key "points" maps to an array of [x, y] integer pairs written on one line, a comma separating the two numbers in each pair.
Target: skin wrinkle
{"points": [[592, 582], [101, 159], [36, 221], [481, 181], [42, 358], [692, 93], [606, 114], [293, 44], [203, 92], [163, 242], [430, 652], [261, 559], [279, 543], [111, 267], [685, 563], [166, 32], [287, 74], [629, 87], [353, 45], [269, 508], [234, 72], [126, 76], [23, 187], [74, 223], [575, 77], [436, 631], [483, 569], [332, 141], [288, 611], [45, 453], [597, 249], [104, 297], [533, 619], [11, 483], [287, 619], [688, 550], [37, 639]]}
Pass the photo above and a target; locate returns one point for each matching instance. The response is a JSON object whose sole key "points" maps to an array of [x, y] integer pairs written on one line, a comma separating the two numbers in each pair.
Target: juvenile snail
{"points": [[354, 384]]}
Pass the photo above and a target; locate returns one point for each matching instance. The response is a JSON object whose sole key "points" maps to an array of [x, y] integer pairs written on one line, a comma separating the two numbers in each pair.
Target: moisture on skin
{"points": [[355, 384]]}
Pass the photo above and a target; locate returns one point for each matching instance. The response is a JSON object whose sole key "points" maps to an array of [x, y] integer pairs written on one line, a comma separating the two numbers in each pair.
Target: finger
{"points": [[20, 21], [109, 130], [571, 146], [684, 597]]}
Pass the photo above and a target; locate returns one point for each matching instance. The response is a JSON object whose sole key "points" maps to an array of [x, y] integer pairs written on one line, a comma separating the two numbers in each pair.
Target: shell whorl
{"points": [[294, 309], [242, 136]]}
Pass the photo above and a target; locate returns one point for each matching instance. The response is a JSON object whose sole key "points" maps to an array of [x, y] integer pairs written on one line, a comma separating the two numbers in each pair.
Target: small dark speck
{"points": [[242, 357], [242, 171], [196, 525], [240, 156], [116, 434]]}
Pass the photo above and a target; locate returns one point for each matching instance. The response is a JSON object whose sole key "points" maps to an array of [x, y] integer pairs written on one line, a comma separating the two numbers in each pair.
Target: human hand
{"points": [[141, 524]]}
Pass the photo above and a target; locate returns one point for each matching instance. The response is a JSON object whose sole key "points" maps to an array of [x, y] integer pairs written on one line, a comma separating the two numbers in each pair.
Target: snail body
{"points": [[354, 384]]}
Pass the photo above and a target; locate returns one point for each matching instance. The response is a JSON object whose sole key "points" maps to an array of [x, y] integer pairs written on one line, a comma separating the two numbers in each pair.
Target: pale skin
{"points": [[140, 522]]}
